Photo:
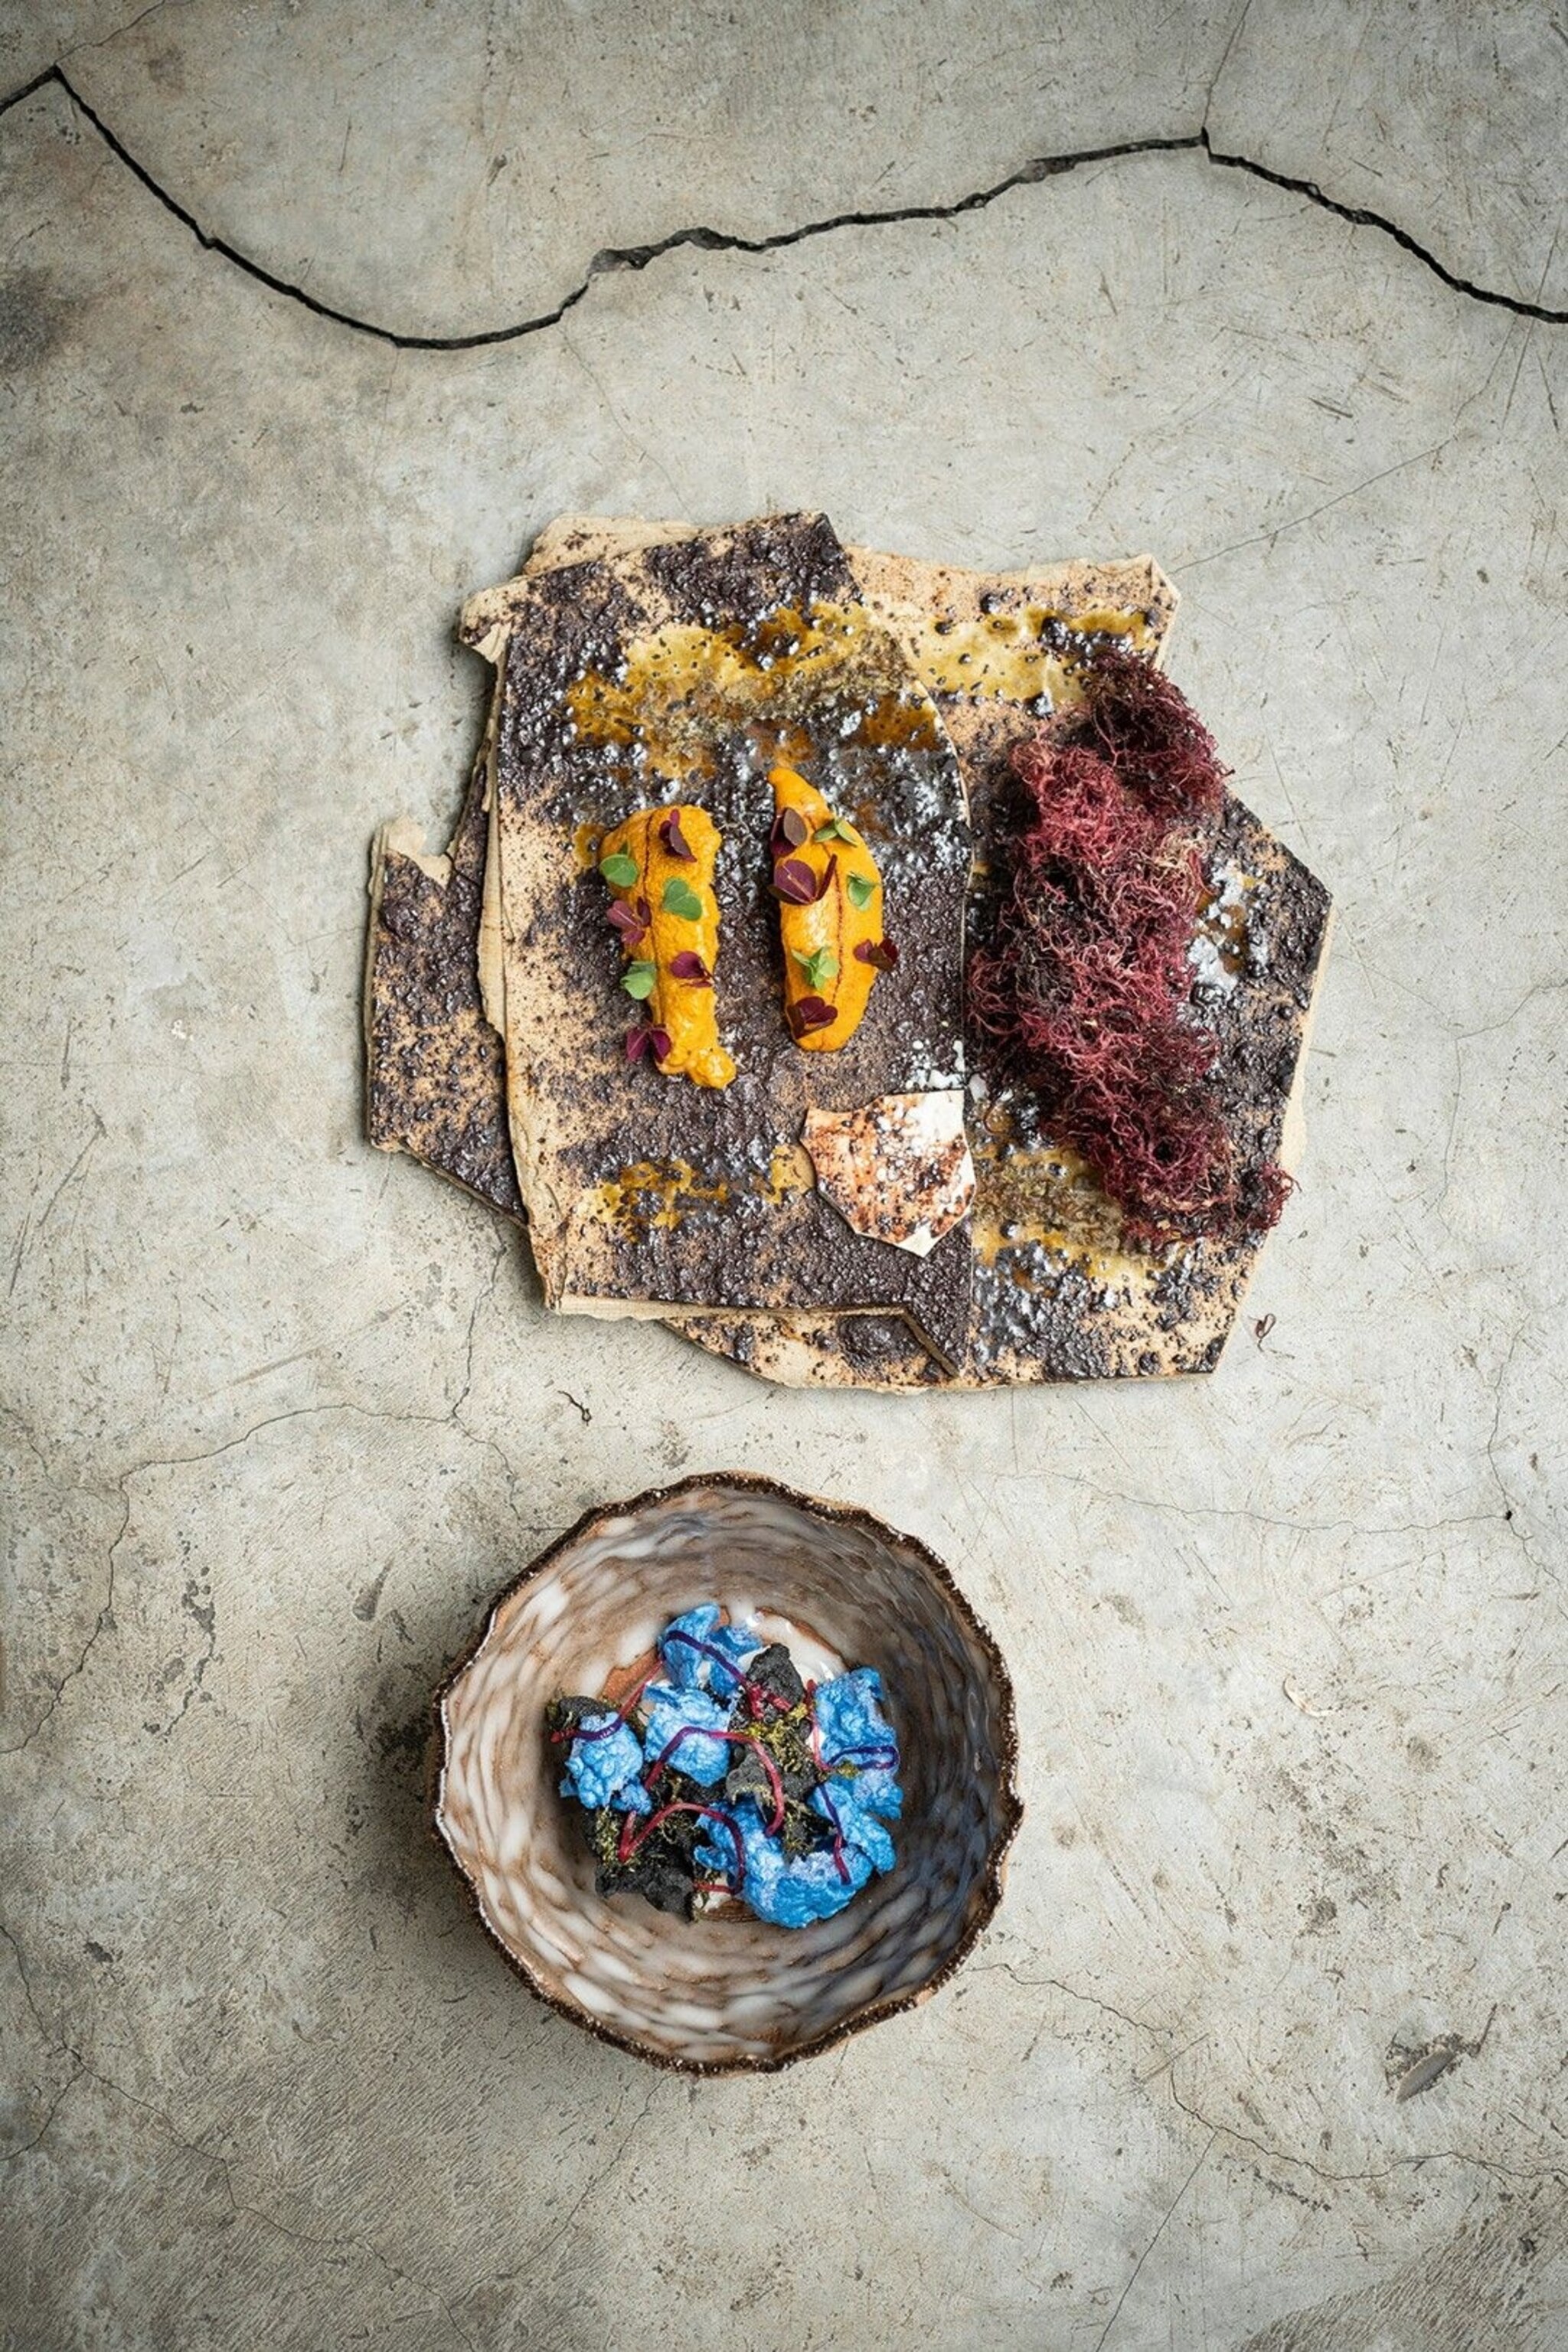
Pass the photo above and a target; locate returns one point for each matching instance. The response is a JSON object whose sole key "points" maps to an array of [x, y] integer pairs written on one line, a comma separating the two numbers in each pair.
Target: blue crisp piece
{"points": [[604, 1771], [693, 1668], [786, 1893], [856, 1824], [848, 1712], [874, 1790], [669, 1712]]}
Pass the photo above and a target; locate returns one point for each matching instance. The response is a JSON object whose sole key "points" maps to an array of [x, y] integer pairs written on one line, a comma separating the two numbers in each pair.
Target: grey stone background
{"points": [[281, 1414]]}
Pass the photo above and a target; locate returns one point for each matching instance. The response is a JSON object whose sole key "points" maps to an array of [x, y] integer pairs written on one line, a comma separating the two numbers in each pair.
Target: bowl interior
{"points": [[730, 1992]]}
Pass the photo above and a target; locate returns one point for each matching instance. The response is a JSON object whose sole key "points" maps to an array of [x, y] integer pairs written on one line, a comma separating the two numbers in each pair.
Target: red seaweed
{"points": [[1143, 723], [1085, 984]]}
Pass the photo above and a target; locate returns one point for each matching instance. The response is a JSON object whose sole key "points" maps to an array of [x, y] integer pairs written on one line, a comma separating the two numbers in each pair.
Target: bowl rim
{"points": [[1012, 1807]]}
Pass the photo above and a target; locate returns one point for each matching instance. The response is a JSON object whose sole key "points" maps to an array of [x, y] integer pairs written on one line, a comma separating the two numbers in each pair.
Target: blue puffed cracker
{"points": [[668, 1711], [873, 1789], [605, 1772], [856, 1824], [786, 1893], [848, 1712], [690, 1668]]}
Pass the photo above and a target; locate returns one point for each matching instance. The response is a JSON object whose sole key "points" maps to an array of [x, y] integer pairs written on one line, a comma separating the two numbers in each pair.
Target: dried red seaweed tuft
{"points": [[1143, 724], [1085, 983]]}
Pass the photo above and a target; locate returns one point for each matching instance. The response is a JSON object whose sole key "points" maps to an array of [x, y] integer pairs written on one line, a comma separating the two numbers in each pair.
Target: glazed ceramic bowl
{"points": [[729, 1993]]}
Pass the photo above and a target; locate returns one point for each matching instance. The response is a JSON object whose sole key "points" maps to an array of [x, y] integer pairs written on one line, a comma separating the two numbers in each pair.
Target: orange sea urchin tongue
{"points": [[1084, 983]]}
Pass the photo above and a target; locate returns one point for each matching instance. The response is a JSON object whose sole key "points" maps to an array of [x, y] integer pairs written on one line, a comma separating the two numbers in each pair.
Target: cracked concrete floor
{"points": [[281, 1414]]}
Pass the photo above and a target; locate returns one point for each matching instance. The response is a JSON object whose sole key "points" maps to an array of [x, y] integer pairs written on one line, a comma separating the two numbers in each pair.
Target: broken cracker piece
{"points": [[898, 1170]]}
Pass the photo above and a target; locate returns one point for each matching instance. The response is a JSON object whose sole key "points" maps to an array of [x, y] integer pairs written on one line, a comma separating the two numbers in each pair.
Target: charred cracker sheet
{"points": [[682, 671], [1054, 1294]]}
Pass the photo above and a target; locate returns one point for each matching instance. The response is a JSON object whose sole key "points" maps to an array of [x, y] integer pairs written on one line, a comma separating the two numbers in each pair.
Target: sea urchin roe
{"points": [[721, 1773], [660, 866], [829, 895]]}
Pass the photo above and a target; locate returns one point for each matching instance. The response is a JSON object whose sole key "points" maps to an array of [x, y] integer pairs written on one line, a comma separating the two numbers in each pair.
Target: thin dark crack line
{"points": [[712, 240]]}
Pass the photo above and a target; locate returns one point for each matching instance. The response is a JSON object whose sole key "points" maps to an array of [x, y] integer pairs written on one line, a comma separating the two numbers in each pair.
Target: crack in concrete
{"points": [[1217, 2127], [103, 1623], [198, 1602], [83, 2070], [1415, 2158], [1160, 2230], [711, 240]]}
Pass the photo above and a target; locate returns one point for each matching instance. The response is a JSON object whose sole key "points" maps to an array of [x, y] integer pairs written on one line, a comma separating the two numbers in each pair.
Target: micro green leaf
{"points": [[639, 979], [860, 887], [619, 870], [680, 898], [834, 830], [819, 965]]}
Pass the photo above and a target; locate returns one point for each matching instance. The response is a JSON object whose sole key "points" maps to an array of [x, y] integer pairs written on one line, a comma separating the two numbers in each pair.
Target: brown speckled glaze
{"points": [[729, 1995]]}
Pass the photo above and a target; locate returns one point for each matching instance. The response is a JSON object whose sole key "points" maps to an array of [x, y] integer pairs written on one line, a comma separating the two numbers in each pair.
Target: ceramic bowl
{"points": [[728, 1993]]}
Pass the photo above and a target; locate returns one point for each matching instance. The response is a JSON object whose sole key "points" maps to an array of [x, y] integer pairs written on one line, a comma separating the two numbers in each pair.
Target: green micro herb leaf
{"points": [[680, 898], [639, 979], [619, 870], [860, 887], [820, 965], [834, 830]]}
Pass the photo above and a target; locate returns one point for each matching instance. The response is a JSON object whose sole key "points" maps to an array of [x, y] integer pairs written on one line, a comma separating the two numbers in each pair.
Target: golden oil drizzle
{"points": [[1045, 1197], [656, 1195], [680, 689], [789, 1170], [1005, 656], [585, 847]]}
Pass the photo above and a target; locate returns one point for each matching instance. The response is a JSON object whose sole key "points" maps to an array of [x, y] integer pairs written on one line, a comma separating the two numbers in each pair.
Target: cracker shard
{"points": [[898, 1170], [632, 683]]}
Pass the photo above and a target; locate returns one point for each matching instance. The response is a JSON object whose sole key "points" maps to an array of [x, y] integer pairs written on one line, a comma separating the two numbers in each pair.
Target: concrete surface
{"points": [[282, 1414]]}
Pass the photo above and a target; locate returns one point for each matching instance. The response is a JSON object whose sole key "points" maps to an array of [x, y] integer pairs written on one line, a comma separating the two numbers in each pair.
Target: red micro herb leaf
{"points": [[796, 883], [689, 965], [790, 830], [674, 840], [809, 1013], [648, 1040], [881, 953], [630, 922]]}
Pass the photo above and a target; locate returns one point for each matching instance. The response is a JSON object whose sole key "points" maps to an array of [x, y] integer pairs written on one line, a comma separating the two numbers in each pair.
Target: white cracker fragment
{"points": [[898, 1170], [405, 838]]}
